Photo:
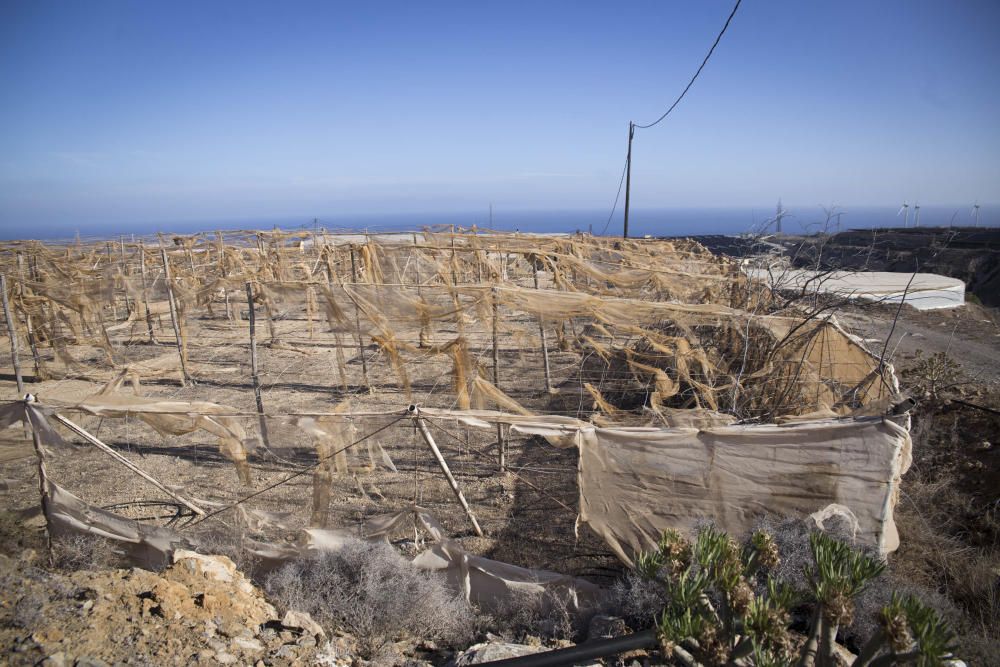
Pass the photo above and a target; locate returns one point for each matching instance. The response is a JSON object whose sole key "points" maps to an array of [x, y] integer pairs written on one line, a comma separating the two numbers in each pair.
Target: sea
{"points": [[663, 222]]}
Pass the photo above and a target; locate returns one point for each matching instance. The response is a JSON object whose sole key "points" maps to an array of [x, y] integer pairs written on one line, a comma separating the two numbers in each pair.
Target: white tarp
{"points": [[927, 291]]}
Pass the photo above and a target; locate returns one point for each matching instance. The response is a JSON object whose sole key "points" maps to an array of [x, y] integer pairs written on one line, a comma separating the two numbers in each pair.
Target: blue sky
{"points": [[136, 112]]}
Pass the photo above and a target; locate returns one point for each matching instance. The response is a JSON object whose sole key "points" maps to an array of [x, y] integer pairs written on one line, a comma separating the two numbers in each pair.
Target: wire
{"points": [[703, 63], [615, 206], [295, 474]]}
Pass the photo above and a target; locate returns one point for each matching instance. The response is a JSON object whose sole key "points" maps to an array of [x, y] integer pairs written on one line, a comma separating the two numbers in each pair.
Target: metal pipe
{"points": [[582, 653]]}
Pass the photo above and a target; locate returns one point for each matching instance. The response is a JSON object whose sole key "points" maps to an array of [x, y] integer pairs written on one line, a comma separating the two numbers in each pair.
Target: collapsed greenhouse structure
{"points": [[381, 385]]}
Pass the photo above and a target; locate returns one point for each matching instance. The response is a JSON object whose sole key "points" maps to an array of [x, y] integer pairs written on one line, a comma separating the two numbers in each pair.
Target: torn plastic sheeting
{"points": [[491, 584], [481, 580], [32, 414], [147, 546], [544, 425]]}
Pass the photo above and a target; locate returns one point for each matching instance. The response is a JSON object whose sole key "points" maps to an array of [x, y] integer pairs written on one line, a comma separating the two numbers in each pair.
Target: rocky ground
{"points": [[199, 611]]}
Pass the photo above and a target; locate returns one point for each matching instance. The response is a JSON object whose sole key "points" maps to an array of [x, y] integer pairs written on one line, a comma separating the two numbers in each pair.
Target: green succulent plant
{"points": [[724, 609]]}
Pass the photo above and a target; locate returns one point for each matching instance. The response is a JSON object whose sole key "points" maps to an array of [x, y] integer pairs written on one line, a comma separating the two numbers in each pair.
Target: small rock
{"points": [[490, 651], [302, 621], [307, 641], [216, 645], [55, 660], [285, 651], [249, 645], [225, 658], [88, 661]]}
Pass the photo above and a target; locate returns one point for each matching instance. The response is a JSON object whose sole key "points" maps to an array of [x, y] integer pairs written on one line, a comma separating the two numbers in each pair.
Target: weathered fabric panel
{"points": [[637, 482]]}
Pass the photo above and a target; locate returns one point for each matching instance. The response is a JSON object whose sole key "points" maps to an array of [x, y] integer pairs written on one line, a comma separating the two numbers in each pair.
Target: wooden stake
{"points": [[43, 479], [429, 439], [541, 333], [454, 277], [12, 332], [361, 345], [253, 369], [30, 330], [354, 266], [174, 316], [128, 306], [501, 444], [145, 294], [125, 462]]}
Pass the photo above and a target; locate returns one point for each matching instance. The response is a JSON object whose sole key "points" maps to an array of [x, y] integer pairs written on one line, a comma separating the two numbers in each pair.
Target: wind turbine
{"points": [[905, 209], [837, 216], [975, 212], [916, 215], [779, 214]]}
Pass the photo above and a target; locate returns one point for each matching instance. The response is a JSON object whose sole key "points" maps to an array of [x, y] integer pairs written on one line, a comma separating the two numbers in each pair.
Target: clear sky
{"points": [[148, 111]]}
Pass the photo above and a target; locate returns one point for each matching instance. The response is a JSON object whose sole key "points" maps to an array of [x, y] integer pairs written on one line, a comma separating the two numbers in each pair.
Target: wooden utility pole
{"points": [[255, 378], [13, 337], [628, 175]]}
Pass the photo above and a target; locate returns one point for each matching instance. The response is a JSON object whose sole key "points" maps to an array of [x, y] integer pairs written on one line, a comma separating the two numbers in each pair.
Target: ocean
{"points": [[654, 222]]}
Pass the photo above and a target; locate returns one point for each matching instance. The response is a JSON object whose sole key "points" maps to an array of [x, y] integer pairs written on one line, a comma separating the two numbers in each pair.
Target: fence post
{"points": [[541, 334], [501, 443], [429, 439], [145, 293], [43, 478], [253, 369], [13, 337], [174, 316], [128, 305]]}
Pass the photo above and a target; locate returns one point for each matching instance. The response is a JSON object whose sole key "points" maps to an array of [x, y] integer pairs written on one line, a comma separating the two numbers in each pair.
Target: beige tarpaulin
{"points": [[637, 482]]}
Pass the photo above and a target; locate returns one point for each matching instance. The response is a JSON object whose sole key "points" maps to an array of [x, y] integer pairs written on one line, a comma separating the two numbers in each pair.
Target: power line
{"points": [[703, 63], [614, 207]]}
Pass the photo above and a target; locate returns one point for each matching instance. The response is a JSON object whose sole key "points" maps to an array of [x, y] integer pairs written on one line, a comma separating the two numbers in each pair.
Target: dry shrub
{"points": [[375, 594], [638, 600], [82, 551], [934, 554], [232, 545], [547, 615]]}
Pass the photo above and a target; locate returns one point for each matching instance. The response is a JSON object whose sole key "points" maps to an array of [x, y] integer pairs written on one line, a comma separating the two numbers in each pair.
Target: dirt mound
{"points": [[200, 610]]}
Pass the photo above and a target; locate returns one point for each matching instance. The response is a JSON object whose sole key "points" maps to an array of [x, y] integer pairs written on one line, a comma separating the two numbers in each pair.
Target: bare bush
{"points": [[232, 545], [638, 600], [933, 374], [548, 615], [374, 593], [80, 551]]}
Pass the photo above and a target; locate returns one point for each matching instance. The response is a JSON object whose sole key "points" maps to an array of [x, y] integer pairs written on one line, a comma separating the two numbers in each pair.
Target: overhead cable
{"points": [[701, 67]]}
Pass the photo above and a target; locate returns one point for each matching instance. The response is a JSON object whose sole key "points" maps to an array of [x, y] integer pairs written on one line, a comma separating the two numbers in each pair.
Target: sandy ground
{"points": [[527, 513]]}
